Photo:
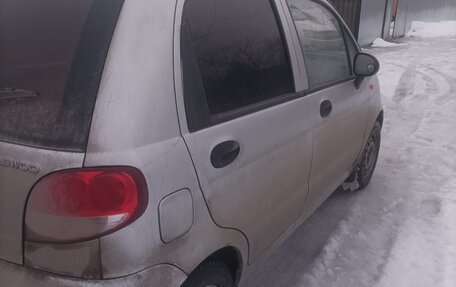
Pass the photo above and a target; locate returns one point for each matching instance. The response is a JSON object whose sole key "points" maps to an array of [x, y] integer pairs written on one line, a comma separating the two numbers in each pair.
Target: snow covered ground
{"points": [[400, 231], [380, 43], [432, 30]]}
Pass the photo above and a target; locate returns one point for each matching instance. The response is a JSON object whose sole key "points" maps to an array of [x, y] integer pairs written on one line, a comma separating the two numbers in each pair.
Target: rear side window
{"points": [[322, 42], [233, 56], [52, 54]]}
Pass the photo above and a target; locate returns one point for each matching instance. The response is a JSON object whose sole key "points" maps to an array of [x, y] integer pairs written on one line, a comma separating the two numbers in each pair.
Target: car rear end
{"points": [[54, 209]]}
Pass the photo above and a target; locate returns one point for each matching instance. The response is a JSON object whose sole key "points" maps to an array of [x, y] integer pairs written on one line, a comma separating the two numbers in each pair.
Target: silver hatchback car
{"points": [[172, 142]]}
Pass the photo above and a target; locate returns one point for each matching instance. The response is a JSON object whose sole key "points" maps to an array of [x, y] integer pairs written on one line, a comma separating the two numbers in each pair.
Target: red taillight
{"points": [[80, 204]]}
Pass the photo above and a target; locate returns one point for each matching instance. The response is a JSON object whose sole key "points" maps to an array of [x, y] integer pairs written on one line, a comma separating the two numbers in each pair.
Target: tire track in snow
{"points": [[450, 81], [406, 84], [418, 258], [416, 261]]}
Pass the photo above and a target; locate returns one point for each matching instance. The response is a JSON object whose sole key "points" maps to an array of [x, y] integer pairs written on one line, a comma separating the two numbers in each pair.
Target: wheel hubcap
{"points": [[369, 157]]}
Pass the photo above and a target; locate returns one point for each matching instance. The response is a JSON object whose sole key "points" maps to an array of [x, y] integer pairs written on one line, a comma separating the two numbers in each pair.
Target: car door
{"points": [[328, 50], [249, 133]]}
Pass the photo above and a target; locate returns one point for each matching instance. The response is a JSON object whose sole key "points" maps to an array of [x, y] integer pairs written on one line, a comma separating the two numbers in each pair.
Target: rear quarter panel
{"points": [[135, 123]]}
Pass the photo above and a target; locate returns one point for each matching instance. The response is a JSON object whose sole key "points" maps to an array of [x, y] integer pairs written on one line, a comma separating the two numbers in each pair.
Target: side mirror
{"points": [[365, 65]]}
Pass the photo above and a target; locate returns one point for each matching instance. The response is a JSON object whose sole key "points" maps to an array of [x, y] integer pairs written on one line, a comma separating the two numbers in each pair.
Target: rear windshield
{"points": [[52, 54]]}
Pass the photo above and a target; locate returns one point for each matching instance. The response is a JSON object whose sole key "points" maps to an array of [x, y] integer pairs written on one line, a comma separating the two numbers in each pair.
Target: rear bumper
{"points": [[12, 275]]}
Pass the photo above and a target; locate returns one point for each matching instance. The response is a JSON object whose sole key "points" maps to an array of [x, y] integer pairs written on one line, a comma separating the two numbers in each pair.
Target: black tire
{"points": [[368, 162], [210, 273]]}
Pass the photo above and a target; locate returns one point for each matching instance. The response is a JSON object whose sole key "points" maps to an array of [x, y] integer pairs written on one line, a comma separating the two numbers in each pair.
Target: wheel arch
{"points": [[231, 257]]}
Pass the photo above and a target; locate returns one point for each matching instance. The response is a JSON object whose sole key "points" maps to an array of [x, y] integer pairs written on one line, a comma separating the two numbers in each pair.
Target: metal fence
{"points": [[422, 10], [371, 19]]}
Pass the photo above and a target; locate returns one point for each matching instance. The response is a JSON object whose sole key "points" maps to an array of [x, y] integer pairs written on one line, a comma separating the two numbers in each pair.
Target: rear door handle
{"points": [[325, 108], [225, 153]]}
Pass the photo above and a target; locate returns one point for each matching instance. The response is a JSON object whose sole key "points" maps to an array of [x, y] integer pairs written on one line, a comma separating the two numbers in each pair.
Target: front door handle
{"points": [[225, 153], [325, 108]]}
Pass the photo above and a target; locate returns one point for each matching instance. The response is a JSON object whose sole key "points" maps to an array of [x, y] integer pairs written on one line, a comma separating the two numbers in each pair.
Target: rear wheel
{"points": [[368, 162], [210, 274]]}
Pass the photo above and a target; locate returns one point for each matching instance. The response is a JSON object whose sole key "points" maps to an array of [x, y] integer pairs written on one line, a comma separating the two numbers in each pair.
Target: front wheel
{"points": [[368, 162], [210, 274]]}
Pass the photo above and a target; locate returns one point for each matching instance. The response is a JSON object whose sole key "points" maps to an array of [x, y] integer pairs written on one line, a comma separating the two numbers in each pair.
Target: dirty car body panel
{"points": [[115, 93]]}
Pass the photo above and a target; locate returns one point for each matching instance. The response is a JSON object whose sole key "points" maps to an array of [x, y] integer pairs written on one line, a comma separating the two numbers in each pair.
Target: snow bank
{"points": [[432, 30], [380, 43]]}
